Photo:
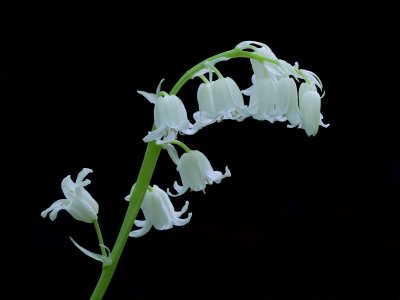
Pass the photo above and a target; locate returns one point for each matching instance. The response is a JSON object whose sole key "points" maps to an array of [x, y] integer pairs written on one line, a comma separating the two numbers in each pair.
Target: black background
{"points": [[300, 218]]}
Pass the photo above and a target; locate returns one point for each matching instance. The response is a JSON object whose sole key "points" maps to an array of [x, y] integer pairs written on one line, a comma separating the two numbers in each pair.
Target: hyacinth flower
{"points": [[310, 107], [218, 100], [264, 93], [82, 207], [170, 117], [158, 212], [195, 170], [78, 202], [287, 103]]}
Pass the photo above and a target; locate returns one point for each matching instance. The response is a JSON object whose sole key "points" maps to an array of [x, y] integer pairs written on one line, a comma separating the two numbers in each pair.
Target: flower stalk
{"points": [[136, 199]]}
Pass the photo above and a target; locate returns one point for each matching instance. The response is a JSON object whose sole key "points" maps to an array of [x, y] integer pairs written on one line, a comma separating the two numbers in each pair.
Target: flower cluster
{"points": [[273, 96]]}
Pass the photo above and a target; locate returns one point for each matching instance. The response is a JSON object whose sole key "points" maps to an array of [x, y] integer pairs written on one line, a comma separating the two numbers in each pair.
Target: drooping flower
{"points": [[219, 100], [170, 117], [263, 97], [159, 212], [288, 102], [196, 172], [310, 109], [78, 203]]}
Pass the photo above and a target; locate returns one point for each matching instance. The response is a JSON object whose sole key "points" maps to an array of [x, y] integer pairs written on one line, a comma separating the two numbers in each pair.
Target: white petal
{"points": [[142, 231], [217, 176], [322, 123], [158, 209], [310, 106], [183, 210], [82, 174], [140, 223], [180, 190], [81, 210], [55, 208], [169, 136], [180, 221], [154, 135], [68, 187]]}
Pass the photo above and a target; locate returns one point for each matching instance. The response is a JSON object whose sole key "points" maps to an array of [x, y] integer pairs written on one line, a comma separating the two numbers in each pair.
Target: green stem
{"points": [[204, 78], [136, 198], [100, 237], [234, 53], [182, 145], [216, 71]]}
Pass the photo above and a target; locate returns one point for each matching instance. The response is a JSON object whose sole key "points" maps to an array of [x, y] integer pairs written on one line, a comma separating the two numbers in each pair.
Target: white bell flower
{"points": [[219, 100], [263, 97], [310, 109], [170, 117], [196, 172], [287, 102], [78, 203], [265, 101], [159, 212]]}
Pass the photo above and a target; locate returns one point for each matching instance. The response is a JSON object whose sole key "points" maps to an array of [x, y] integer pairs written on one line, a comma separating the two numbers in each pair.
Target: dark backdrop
{"points": [[300, 218]]}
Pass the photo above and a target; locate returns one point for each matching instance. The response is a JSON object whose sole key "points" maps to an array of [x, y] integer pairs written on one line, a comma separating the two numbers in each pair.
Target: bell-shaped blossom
{"points": [[219, 100], [170, 117], [158, 212], [262, 99], [196, 172], [310, 109], [78, 202], [265, 103], [287, 101]]}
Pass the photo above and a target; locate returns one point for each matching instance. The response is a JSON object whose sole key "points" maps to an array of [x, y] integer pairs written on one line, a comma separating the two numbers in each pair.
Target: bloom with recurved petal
{"points": [[196, 172], [158, 212], [310, 109], [219, 100], [78, 203], [170, 117]]}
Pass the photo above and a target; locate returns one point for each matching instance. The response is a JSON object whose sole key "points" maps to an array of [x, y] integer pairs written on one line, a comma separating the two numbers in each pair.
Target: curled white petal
{"points": [[159, 213], [196, 172], [170, 118], [54, 209], [78, 203]]}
